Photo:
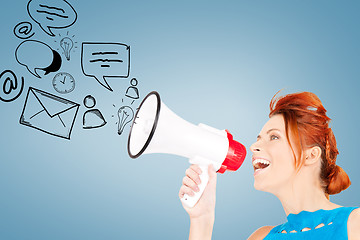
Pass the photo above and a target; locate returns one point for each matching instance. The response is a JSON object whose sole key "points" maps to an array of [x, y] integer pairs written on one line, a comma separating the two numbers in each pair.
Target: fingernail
{"points": [[197, 189], [198, 181]]}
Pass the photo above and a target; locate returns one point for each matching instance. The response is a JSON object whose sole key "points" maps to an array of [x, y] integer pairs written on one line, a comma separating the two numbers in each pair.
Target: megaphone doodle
{"points": [[156, 129]]}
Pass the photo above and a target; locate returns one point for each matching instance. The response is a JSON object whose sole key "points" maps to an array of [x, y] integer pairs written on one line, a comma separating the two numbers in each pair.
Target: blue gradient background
{"points": [[213, 62]]}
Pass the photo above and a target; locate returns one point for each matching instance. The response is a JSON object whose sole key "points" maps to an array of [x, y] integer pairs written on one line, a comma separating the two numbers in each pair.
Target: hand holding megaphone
{"points": [[206, 204], [156, 129]]}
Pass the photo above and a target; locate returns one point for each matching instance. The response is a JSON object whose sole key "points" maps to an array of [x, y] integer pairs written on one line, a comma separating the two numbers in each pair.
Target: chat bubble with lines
{"points": [[104, 60], [52, 14]]}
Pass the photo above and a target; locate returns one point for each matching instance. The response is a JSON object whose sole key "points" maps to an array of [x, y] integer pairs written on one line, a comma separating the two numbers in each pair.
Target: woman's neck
{"points": [[302, 194]]}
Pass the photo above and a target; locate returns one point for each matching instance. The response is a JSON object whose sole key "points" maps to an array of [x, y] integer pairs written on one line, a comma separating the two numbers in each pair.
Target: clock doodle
{"points": [[63, 82]]}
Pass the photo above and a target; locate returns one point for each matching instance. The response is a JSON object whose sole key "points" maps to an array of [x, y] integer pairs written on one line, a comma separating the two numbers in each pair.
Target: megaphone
{"points": [[156, 129]]}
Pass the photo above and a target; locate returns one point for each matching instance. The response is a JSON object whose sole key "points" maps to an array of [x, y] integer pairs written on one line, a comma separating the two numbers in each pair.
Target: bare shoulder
{"points": [[354, 225], [261, 233]]}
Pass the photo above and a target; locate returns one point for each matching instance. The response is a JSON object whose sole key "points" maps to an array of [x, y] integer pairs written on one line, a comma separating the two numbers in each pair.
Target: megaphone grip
{"points": [[190, 201]]}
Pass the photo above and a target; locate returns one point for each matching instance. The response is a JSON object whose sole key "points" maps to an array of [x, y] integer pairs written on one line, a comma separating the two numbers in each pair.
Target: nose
{"points": [[255, 147]]}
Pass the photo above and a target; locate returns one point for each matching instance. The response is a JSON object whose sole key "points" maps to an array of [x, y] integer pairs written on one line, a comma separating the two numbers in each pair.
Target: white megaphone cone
{"points": [[156, 129]]}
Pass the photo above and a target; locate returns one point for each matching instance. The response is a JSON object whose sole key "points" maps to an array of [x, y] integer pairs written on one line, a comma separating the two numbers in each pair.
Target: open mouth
{"points": [[260, 164]]}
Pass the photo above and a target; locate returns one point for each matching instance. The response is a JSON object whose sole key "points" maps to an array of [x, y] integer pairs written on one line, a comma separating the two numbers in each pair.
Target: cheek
{"points": [[282, 173], [284, 154], [284, 162], [281, 170]]}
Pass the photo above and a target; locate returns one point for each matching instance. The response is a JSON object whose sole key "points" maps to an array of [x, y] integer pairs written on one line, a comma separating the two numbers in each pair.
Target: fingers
{"points": [[196, 168], [191, 181], [194, 173], [185, 190]]}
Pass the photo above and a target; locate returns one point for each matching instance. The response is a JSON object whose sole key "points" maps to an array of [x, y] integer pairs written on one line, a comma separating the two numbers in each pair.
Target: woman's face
{"points": [[273, 159]]}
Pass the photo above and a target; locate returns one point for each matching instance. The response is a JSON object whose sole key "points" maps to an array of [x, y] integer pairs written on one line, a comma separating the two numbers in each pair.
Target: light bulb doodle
{"points": [[66, 44], [126, 115]]}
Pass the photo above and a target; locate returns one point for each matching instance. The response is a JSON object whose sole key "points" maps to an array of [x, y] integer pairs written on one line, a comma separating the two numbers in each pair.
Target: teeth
{"points": [[259, 160]]}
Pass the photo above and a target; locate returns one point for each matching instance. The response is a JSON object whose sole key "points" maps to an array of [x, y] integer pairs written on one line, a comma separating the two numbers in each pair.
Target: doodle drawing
{"points": [[52, 14], [49, 113], [23, 30], [102, 60], [126, 115], [63, 82], [92, 118], [133, 91], [36, 55], [67, 45], [10, 90]]}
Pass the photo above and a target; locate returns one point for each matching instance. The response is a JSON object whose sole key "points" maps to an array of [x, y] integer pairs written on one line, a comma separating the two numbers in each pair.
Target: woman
{"points": [[294, 158]]}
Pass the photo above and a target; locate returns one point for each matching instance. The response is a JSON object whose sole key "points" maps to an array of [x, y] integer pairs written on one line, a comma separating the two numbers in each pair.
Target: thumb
{"points": [[212, 175], [210, 190]]}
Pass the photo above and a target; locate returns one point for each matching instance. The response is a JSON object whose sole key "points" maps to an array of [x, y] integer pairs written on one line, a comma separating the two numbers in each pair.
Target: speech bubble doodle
{"points": [[52, 14], [103, 60], [37, 55], [23, 30], [10, 89]]}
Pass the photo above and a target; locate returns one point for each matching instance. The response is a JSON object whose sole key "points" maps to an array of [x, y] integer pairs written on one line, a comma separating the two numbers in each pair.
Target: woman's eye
{"points": [[274, 137]]}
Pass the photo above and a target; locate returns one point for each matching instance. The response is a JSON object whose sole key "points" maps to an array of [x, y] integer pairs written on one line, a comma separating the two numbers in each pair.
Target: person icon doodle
{"points": [[133, 91], [92, 118]]}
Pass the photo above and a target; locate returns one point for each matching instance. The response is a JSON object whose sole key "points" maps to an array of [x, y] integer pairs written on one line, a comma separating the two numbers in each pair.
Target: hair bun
{"points": [[339, 181]]}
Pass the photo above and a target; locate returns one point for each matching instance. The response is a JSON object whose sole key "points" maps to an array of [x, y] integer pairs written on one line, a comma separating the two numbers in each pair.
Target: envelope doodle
{"points": [[49, 113]]}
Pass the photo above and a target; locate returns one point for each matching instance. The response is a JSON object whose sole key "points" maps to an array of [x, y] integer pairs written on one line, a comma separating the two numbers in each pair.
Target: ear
{"points": [[312, 155]]}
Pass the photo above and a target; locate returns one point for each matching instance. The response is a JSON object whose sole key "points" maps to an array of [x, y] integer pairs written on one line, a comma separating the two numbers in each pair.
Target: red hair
{"points": [[305, 118]]}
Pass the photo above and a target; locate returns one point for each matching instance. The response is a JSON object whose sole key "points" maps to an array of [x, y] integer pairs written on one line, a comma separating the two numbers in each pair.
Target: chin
{"points": [[262, 185], [259, 186], [264, 179]]}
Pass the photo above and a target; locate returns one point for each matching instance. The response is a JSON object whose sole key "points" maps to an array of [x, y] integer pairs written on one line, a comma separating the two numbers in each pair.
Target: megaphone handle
{"points": [[190, 201]]}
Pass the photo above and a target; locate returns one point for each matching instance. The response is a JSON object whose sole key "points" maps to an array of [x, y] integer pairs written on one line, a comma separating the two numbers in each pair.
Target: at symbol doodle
{"points": [[10, 84], [23, 30]]}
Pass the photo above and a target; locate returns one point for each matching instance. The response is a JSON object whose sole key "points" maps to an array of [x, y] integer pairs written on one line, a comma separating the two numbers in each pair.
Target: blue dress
{"points": [[323, 224]]}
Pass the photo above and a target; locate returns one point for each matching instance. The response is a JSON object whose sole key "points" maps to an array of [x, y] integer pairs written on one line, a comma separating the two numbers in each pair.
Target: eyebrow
{"points": [[270, 130]]}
